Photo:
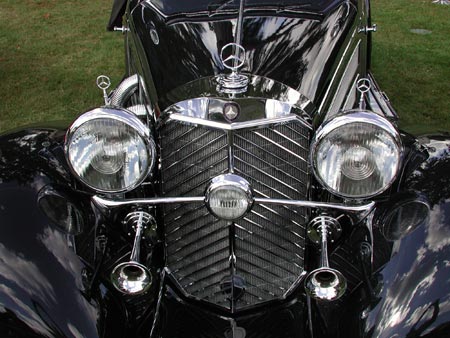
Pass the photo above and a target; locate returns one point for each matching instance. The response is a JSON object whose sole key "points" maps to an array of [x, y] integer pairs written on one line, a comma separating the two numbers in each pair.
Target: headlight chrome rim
{"points": [[231, 181], [346, 118], [123, 116]]}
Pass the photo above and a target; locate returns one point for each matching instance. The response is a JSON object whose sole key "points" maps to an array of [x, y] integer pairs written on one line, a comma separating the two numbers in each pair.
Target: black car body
{"points": [[246, 179]]}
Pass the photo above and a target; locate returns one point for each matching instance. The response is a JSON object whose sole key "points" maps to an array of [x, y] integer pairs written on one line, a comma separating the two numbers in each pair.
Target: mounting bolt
{"points": [[367, 29]]}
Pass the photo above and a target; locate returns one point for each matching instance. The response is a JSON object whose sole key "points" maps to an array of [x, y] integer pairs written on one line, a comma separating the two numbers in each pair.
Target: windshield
{"points": [[174, 7]]}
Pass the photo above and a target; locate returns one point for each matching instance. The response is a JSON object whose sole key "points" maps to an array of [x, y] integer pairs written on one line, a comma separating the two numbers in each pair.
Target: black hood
{"points": [[298, 50]]}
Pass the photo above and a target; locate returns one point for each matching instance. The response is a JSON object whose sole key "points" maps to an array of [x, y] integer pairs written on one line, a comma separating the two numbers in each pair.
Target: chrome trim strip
{"points": [[275, 156], [238, 125], [281, 147], [320, 205], [230, 139], [107, 204]]}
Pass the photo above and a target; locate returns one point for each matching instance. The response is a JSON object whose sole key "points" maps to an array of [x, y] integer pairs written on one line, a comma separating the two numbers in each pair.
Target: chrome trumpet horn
{"points": [[324, 283], [133, 277]]}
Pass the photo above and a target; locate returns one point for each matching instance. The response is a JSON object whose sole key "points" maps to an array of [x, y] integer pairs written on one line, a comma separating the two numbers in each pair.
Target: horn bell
{"points": [[131, 278], [325, 284]]}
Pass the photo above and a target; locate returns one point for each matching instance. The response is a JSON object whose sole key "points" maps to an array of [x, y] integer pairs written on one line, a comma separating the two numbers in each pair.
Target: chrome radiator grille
{"points": [[268, 243]]}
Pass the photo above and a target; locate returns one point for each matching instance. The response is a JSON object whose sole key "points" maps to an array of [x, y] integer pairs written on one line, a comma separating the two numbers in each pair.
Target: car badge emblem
{"points": [[236, 57], [231, 111], [232, 56], [363, 86], [104, 82]]}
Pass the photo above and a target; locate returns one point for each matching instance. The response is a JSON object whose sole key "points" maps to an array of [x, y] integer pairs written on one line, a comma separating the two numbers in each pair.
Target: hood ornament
{"points": [[363, 86], [232, 56], [103, 83], [236, 57]]}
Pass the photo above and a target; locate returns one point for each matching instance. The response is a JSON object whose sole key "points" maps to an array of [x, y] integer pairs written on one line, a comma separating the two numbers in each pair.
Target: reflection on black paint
{"points": [[415, 301], [275, 47]]}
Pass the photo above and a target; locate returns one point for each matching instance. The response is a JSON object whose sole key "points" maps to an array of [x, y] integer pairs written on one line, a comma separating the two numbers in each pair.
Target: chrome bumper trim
{"points": [[108, 204]]}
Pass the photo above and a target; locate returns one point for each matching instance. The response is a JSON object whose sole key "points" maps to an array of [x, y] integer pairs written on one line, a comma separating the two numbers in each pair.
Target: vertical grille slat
{"points": [[268, 243]]}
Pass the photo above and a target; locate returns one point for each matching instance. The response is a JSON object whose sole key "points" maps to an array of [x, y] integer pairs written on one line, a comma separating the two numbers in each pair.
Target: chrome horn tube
{"points": [[324, 283], [132, 277]]}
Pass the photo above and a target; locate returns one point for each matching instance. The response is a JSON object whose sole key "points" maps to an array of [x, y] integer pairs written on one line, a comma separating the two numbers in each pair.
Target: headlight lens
{"points": [[356, 155], [229, 197], [110, 150]]}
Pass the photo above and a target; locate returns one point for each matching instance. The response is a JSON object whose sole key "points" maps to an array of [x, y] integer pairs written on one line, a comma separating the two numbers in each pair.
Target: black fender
{"points": [[412, 290], [43, 289]]}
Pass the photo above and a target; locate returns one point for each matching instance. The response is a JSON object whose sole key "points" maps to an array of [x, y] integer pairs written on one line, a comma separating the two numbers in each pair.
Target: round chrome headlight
{"points": [[229, 197], [110, 150], [356, 155]]}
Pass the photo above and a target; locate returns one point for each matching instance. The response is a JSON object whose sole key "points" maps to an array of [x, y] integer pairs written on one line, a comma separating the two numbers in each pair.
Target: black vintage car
{"points": [[246, 179]]}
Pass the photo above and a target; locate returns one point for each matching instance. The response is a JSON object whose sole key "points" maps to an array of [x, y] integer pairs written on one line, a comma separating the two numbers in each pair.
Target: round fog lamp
{"points": [[229, 197]]}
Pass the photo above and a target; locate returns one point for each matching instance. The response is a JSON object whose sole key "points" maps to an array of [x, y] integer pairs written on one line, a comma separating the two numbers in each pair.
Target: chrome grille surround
{"points": [[210, 258]]}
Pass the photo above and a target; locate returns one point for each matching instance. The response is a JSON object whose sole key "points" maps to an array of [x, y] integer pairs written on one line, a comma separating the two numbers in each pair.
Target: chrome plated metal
{"points": [[208, 109], [320, 205], [379, 102], [234, 82], [140, 110], [237, 56], [228, 181], [104, 82], [352, 116], [252, 260], [363, 85], [368, 29], [237, 125], [324, 283], [132, 277], [125, 117], [121, 29], [124, 90], [315, 228], [108, 204]]}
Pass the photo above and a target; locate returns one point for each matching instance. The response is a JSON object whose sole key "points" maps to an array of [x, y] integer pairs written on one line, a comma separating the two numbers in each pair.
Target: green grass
{"points": [[414, 69], [51, 52]]}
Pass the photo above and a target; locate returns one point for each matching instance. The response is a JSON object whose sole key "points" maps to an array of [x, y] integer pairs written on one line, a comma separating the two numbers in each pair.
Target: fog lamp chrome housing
{"points": [[229, 197], [110, 150], [356, 155]]}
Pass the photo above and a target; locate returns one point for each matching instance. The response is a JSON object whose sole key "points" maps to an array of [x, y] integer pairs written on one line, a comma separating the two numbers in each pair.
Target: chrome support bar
{"points": [[318, 205], [108, 204]]}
